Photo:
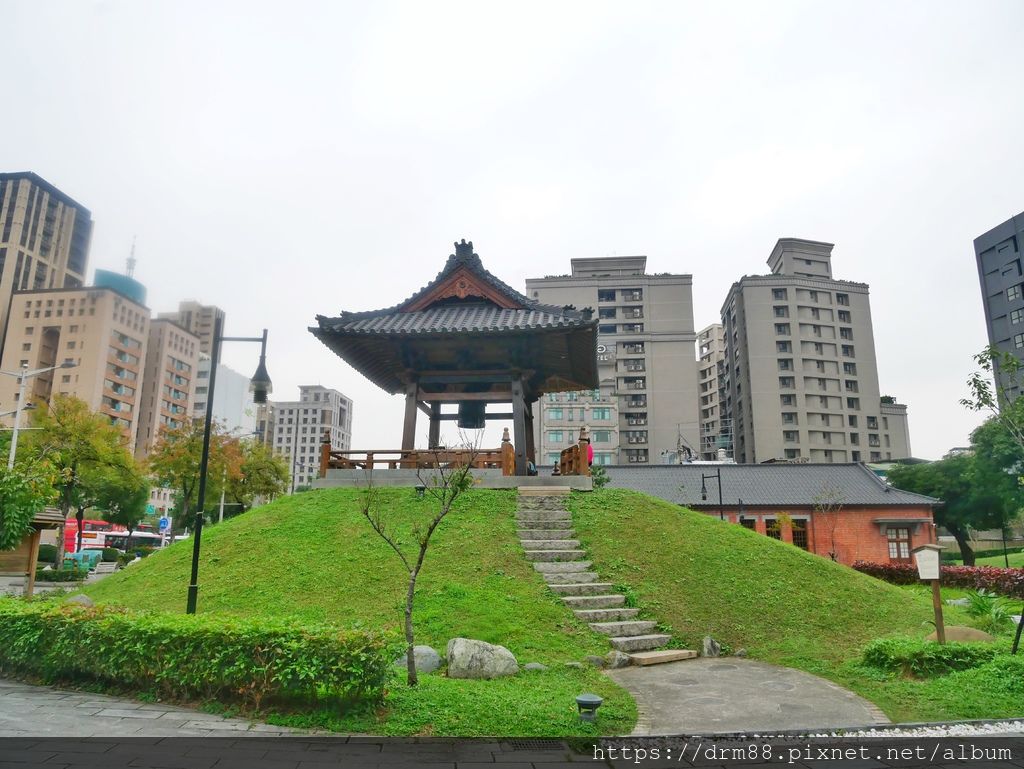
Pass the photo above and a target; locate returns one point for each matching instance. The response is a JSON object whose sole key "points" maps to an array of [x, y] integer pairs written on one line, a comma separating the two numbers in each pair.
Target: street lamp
{"points": [[23, 376], [261, 387], [704, 490]]}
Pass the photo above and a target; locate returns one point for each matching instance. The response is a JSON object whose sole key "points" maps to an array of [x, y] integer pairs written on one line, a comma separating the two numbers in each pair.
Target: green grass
{"points": [[1016, 561], [702, 576], [314, 556]]}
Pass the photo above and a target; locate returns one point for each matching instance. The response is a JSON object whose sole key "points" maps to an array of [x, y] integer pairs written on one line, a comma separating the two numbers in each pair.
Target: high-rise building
{"points": [[802, 380], [299, 427], [168, 381], [44, 238], [646, 408], [999, 253], [233, 405], [715, 431], [199, 319], [102, 331]]}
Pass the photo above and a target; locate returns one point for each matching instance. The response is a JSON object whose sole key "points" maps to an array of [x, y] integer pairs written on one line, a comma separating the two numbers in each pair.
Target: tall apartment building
{"points": [[300, 426], [802, 381], [168, 381], [44, 238], [998, 254], [102, 331], [199, 319], [646, 406], [715, 430]]}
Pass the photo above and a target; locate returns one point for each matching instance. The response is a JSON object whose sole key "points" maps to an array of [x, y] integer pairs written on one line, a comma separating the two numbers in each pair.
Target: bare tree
{"points": [[445, 483], [828, 503]]}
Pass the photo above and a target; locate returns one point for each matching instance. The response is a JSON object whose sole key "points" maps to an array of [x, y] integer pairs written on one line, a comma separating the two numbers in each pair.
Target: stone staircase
{"points": [[548, 538]]}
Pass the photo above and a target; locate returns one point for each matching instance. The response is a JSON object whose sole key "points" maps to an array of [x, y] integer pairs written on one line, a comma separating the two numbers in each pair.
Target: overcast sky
{"points": [[283, 160]]}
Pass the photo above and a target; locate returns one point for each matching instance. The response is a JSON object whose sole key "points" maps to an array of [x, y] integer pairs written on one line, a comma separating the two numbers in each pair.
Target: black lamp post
{"points": [[704, 490], [260, 386]]}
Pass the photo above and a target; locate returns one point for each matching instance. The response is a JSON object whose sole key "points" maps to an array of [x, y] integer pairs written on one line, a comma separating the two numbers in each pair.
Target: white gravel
{"points": [[936, 730]]}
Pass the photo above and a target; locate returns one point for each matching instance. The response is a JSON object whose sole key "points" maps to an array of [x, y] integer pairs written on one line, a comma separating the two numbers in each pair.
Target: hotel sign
{"points": [[605, 352]]}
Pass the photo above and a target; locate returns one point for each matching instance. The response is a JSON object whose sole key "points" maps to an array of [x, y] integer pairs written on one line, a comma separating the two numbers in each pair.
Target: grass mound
{"points": [[313, 556], [701, 576]]}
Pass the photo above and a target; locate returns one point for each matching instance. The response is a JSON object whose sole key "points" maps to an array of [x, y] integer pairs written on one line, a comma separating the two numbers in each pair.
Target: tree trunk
{"points": [[128, 542], [960, 535], [410, 642], [65, 506], [80, 517]]}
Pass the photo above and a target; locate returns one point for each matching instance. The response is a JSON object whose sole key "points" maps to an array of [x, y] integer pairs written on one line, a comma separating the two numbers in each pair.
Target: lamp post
{"points": [[23, 376], [704, 490], [260, 386]]}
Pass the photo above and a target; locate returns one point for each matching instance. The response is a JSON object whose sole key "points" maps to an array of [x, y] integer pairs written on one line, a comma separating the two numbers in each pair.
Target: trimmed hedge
{"points": [[1007, 582], [47, 554], [69, 573], [194, 657], [923, 659]]}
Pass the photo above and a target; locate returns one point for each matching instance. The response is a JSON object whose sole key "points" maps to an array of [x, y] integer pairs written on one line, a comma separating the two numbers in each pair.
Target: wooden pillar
{"points": [[531, 453], [33, 559], [519, 424], [584, 446], [409, 430], [325, 453], [434, 439]]}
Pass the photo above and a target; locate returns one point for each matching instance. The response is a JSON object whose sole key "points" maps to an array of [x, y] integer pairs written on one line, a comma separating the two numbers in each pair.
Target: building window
{"points": [[552, 414], [786, 382], [749, 523], [846, 333], [791, 436], [789, 418], [872, 423], [606, 329], [785, 364], [899, 544], [799, 529], [788, 400], [782, 329], [782, 312], [602, 414], [1016, 316], [784, 347], [848, 351], [606, 313], [606, 295], [851, 386], [843, 299], [773, 528], [778, 293], [850, 368], [601, 436], [1013, 293], [852, 420], [853, 403], [844, 316], [1018, 340], [556, 436]]}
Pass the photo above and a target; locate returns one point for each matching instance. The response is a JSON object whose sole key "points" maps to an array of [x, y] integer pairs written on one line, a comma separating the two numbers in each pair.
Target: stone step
{"points": [[583, 588], [570, 578], [544, 491], [561, 567], [535, 525], [605, 615], [543, 515], [662, 655], [550, 544], [638, 643], [594, 601], [624, 628], [554, 555], [546, 533]]}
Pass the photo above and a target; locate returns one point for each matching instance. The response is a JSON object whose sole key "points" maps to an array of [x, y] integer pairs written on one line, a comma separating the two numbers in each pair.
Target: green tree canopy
{"points": [[264, 475], [24, 491]]}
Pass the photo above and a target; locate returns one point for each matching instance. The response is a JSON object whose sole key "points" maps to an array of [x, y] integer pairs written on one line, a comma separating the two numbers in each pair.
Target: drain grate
{"points": [[536, 744]]}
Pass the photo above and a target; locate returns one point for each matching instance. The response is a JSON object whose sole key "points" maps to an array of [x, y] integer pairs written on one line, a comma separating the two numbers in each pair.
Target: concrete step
{"points": [[583, 588], [594, 601], [624, 628], [662, 655], [605, 615], [570, 578], [561, 567], [551, 533], [550, 544], [554, 555], [638, 643], [544, 491]]}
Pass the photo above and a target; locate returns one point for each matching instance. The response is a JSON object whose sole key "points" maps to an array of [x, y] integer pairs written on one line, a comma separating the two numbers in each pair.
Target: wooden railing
{"points": [[575, 459], [503, 458]]}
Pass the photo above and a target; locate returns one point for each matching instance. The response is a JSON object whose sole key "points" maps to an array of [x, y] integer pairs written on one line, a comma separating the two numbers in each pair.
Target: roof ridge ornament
{"points": [[464, 250]]}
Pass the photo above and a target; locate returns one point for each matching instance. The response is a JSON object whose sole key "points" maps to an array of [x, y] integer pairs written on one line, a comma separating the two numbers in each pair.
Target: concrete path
{"points": [[42, 711], [730, 694]]}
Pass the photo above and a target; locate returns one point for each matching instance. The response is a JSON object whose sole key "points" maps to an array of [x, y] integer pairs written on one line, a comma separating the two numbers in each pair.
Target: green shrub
{"points": [[991, 612], [47, 554], [193, 657], [110, 554], [142, 550], [71, 572], [923, 659]]}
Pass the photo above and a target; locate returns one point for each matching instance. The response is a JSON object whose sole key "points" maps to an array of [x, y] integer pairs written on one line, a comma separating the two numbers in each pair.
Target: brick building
{"points": [[823, 508]]}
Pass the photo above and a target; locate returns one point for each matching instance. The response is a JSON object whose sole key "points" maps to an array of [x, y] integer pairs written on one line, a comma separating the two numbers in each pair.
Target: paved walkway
{"points": [[42, 711], [730, 694]]}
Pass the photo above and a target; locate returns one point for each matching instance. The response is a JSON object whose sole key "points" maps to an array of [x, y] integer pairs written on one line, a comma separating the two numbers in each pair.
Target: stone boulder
{"points": [[426, 659], [534, 666], [961, 633], [616, 659], [477, 659], [81, 600], [711, 647]]}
